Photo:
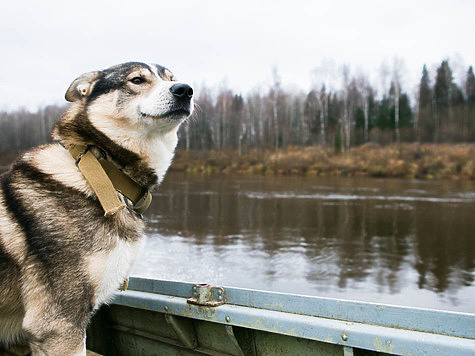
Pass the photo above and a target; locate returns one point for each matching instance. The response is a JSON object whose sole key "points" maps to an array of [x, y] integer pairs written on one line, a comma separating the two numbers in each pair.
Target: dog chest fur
{"points": [[109, 269]]}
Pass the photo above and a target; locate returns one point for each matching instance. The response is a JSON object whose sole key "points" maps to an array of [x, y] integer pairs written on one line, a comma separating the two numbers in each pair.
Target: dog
{"points": [[61, 254]]}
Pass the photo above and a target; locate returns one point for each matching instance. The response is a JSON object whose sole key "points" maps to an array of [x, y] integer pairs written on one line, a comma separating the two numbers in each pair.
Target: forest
{"points": [[275, 118], [442, 112]]}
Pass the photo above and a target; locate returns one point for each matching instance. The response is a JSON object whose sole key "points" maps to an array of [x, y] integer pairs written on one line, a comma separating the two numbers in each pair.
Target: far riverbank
{"points": [[427, 161]]}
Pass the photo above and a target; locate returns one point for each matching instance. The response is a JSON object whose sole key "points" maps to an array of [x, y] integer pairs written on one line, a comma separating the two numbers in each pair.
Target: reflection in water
{"points": [[391, 241]]}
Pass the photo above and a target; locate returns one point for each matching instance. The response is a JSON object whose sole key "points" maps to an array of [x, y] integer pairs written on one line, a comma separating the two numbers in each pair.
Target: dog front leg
{"points": [[59, 346], [55, 338]]}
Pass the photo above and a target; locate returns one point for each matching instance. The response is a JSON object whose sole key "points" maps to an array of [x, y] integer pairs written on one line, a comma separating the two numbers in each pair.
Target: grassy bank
{"points": [[402, 161]]}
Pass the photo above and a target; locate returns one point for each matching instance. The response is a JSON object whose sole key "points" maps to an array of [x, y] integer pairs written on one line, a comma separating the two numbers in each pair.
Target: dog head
{"points": [[132, 112], [147, 95]]}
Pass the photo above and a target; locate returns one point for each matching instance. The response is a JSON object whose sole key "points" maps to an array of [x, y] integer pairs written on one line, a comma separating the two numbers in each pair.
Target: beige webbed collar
{"points": [[106, 179]]}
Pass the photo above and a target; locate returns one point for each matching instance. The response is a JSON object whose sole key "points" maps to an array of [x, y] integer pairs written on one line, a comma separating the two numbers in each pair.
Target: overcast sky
{"points": [[44, 45]]}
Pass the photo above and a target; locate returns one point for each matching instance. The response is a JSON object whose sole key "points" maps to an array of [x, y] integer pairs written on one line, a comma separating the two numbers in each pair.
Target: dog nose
{"points": [[182, 91]]}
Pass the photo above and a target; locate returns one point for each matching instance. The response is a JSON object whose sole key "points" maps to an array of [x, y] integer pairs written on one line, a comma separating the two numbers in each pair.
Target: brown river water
{"points": [[403, 242]]}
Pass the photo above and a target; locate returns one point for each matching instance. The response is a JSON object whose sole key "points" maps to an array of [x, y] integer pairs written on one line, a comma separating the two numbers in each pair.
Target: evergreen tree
{"points": [[311, 115], [235, 122], [425, 91], [359, 118], [383, 118], [470, 86], [470, 95], [443, 90], [425, 123], [405, 111], [443, 86]]}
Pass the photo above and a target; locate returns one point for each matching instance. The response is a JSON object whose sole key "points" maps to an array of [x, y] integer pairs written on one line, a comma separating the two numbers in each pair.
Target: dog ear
{"points": [[81, 86]]}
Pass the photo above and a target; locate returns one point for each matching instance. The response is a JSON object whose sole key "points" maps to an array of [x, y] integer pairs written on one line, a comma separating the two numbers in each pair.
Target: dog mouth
{"points": [[174, 113]]}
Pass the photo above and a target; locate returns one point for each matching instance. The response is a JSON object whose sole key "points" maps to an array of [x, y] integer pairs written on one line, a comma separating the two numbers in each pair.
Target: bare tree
{"points": [[365, 91], [346, 106], [324, 77], [274, 96], [397, 72]]}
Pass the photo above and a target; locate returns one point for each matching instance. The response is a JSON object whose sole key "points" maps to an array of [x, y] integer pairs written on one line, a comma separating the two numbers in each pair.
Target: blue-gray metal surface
{"points": [[390, 329], [447, 323]]}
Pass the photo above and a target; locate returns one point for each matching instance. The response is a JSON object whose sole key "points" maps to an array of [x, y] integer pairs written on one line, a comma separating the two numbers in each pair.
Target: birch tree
{"points": [[397, 69]]}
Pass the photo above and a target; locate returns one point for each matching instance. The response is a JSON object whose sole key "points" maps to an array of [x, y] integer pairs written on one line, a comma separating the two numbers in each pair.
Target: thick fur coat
{"points": [[60, 257]]}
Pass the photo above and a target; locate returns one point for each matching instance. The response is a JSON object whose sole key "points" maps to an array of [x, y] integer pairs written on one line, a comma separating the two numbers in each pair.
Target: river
{"points": [[403, 242]]}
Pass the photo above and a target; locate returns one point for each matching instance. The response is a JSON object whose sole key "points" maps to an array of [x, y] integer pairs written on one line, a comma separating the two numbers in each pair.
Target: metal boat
{"points": [[158, 317]]}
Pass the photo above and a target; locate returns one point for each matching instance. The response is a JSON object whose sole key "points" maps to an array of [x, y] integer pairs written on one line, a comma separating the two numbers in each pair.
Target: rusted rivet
{"points": [[228, 319], [166, 308], [344, 337]]}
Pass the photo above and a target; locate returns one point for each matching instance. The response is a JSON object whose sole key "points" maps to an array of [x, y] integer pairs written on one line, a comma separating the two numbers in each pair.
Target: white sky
{"points": [[44, 45]]}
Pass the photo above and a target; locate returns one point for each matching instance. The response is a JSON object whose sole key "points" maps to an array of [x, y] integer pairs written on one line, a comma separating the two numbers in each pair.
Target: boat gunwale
{"points": [[434, 321], [320, 329]]}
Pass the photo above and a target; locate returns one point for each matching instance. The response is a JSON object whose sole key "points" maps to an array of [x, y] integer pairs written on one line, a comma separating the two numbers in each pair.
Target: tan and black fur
{"points": [[60, 257]]}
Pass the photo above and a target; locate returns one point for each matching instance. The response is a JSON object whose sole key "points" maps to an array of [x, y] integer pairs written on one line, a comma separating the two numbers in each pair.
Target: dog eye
{"points": [[137, 80]]}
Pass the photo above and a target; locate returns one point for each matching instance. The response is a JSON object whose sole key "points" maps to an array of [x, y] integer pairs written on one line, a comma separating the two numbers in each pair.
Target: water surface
{"points": [[380, 240]]}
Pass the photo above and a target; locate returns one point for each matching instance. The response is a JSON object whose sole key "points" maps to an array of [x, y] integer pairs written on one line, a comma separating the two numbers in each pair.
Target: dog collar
{"points": [[105, 179]]}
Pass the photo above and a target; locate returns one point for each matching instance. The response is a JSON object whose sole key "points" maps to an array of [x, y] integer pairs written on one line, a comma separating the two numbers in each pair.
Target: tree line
{"points": [[442, 112], [273, 118], [22, 129]]}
